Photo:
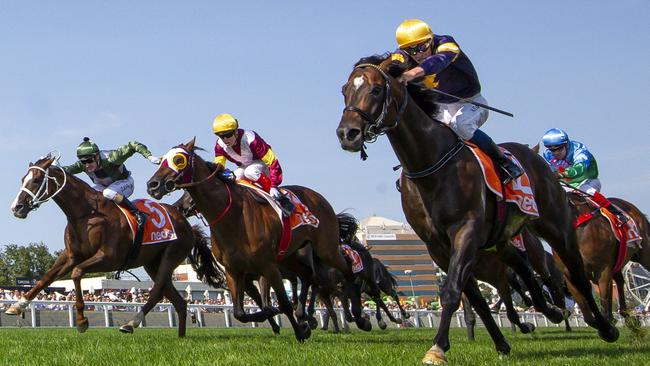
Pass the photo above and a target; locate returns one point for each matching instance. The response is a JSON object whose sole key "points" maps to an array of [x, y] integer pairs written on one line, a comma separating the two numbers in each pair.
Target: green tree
{"points": [[32, 260]]}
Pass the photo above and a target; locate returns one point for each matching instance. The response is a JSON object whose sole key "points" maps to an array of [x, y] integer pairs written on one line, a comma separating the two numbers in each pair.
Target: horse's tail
{"points": [[203, 262], [383, 272]]}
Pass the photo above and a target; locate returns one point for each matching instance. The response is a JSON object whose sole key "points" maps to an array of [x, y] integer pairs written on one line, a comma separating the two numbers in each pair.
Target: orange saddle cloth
{"points": [[517, 191], [159, 228]]}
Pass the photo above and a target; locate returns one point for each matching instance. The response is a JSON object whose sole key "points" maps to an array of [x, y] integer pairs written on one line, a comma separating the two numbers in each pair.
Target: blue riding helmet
{"points": [[555, 137]]}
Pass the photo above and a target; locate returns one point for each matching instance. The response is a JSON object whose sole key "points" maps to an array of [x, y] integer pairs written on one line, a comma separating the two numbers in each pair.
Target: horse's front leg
{"points": [[262, 299], [96, 263], [301, 330], [62, 266], [236, 284], [463, 253]]}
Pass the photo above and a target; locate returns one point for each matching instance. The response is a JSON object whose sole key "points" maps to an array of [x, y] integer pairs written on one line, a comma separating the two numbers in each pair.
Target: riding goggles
{"points": [[418, 48]]}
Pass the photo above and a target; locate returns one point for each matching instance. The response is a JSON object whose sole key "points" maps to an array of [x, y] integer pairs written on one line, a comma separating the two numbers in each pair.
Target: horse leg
{"points": [[294, 291], [353, 293], [469, 315], [261, 301], [179, 303], [395, 297], [375, 293], [521, 267], [563, 242], [154, 298], [236, 284], [605, 290], [477, 301], [301, 330], [505, 294], [92, 264], [631, 322], [327, 300], [61, 266]]}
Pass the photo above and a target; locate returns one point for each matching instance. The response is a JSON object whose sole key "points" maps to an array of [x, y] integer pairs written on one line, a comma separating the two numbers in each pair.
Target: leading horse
{"points": [[460, 211], [98, 239], [246, 234]]}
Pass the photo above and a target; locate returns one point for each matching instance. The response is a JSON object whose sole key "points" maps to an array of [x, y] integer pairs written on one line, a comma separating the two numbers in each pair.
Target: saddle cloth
{"points": [[517, 191], [517, 241], [353, 255], [159, 228], [300, 216]]}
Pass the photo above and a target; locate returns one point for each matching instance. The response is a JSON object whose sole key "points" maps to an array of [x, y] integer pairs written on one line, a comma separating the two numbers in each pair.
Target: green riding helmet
{"points": [[87, 148]]}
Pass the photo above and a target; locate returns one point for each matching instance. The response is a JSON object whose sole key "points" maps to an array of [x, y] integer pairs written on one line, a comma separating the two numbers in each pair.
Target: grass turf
{"points": [[551, 346]]}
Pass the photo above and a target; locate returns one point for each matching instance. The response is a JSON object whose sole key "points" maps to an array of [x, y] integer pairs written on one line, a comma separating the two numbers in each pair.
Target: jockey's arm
{"points": [[446, 53], [575, 171], [220, 159], [122, 153], [263, 151], [75, 168]]}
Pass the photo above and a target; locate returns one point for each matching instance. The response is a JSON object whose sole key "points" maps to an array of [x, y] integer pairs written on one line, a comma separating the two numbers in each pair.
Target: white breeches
{"points": [[463, 118], [590, 186], [252, 171], [124, 187]]}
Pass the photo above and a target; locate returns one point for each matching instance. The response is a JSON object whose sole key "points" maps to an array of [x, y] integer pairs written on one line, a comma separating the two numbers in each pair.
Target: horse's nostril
{"points": [[154, 184], [353, 133], [18, 207], [170, 185]]}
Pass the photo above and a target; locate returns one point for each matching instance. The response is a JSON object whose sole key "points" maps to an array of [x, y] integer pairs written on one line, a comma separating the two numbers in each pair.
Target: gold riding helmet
{"points": [[412, 32], [224, 123]]}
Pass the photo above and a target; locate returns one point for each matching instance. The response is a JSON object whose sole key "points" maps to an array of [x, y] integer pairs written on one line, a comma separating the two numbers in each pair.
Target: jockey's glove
{"points": [[275, 193], [154, 159]]}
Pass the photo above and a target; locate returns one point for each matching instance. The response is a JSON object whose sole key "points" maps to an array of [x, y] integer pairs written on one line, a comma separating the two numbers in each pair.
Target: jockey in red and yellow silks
{"points": [[253, 156]]}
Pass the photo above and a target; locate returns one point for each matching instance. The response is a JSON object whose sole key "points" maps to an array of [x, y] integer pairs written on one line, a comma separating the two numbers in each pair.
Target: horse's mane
{"points": [[423, 96]]}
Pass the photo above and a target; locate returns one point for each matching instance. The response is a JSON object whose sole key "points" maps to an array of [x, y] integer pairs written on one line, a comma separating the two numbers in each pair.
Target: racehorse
{"points": [[98, 239], [246, 234], [599, 248], [387, 283], [460, 212]]}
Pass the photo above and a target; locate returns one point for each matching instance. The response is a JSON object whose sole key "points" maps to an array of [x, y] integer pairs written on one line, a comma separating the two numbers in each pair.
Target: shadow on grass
{"points": [[583, 352]]}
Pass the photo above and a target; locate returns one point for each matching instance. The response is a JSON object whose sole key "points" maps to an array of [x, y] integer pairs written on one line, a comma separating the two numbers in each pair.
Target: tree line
{"points": [[31, 261]]}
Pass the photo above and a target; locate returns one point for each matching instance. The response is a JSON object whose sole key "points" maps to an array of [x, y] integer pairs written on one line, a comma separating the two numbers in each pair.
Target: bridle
{"points": [[376, 127], [181, 173], [41, 195]]}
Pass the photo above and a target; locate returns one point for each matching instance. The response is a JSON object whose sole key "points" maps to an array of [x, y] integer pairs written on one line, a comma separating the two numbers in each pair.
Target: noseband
{"points": [[376, 127], [41, 194]]}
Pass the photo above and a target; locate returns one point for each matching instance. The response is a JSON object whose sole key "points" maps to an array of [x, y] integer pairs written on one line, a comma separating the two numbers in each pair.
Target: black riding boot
{"points": [[140, 217], [485, 143], [286, 205]]}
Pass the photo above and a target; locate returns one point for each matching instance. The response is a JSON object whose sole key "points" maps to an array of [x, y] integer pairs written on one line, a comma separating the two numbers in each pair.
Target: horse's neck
{"points": [[76, 199], [213, 198], [418, 141]]}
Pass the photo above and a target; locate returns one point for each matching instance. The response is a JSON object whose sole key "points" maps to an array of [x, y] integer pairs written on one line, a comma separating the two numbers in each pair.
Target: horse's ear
{"points": [[31, 164], [47, 163], [190, 144], [535, 148]]}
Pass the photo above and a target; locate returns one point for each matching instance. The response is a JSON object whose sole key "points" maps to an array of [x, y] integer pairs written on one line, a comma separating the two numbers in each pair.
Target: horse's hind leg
{"points": [[605, 289], [477, 301], [179, 303], [261, 301], [503, 289], [395, 297], [301, 330]]}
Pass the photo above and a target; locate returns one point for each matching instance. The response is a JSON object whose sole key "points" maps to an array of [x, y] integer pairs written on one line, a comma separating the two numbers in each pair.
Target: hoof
{"points": [[555, 315], [126, 329], [82, 326], [304, 332], [434, 356], [364, 324], [324, 329], [609, 335], [527, 328], [14, 310], [503, 349], [382, 325], [276, 329], [313, 323]]}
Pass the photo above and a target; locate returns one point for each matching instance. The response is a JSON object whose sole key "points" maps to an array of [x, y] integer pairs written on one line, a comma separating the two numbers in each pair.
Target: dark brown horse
{"points": [[599, 249], [98, 239], [460, 212], [246, 234]]}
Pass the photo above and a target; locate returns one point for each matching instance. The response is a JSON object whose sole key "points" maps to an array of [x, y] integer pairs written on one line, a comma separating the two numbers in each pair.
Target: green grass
{"points": [[260, 347]]}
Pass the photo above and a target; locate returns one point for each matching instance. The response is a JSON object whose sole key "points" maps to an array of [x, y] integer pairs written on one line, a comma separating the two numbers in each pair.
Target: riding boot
{"points": [[286, 205], [485, 143], [264, 182], [140, 217], [603, 202]]}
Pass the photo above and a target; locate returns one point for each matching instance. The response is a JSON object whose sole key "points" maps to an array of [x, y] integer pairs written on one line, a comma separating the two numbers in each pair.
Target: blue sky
{"points": [[158, 72]]}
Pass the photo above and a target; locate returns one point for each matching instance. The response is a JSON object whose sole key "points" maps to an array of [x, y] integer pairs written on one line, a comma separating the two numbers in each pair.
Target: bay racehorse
{"points": [[98, 239], [460, 211], [246, 233], [599, 248]]}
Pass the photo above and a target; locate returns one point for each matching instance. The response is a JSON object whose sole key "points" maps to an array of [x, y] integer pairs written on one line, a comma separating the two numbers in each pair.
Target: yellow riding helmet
{"points": [[224, 123], [411, 32]]}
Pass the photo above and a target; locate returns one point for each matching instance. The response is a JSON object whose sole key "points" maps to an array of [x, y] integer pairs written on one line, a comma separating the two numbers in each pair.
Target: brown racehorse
{"points": [[460, 211], [98, 239], [246, 233], [599, 250]]}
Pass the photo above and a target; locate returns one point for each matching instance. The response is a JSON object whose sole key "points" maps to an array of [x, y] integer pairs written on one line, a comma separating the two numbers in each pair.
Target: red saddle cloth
{"points": [[627, 234], [355, 258], [159, 228], [300, 216], [517, 191]]}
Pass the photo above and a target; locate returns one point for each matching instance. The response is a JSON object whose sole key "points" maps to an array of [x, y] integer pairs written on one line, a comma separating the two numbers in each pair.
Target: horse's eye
{"points": [[375, 90]]}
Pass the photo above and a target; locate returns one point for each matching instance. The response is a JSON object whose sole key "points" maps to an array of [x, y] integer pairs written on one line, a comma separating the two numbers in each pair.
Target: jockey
{"points": [[107, 171], [445, 67], [572, 163], [253, 156]]}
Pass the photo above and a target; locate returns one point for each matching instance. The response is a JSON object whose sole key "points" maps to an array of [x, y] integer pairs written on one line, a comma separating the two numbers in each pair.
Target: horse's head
{"points": [[36, 187], [176, 167]]}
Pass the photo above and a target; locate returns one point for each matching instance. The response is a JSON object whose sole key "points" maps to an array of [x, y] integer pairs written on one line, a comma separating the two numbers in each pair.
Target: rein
{"points": [[439, 164], [37, 198]]}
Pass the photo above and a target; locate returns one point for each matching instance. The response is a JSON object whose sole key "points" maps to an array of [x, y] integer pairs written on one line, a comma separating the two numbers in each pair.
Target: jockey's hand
{"points": [[558, 174], [228, 175], [414, 73], [274, 192], [154, 159]]}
